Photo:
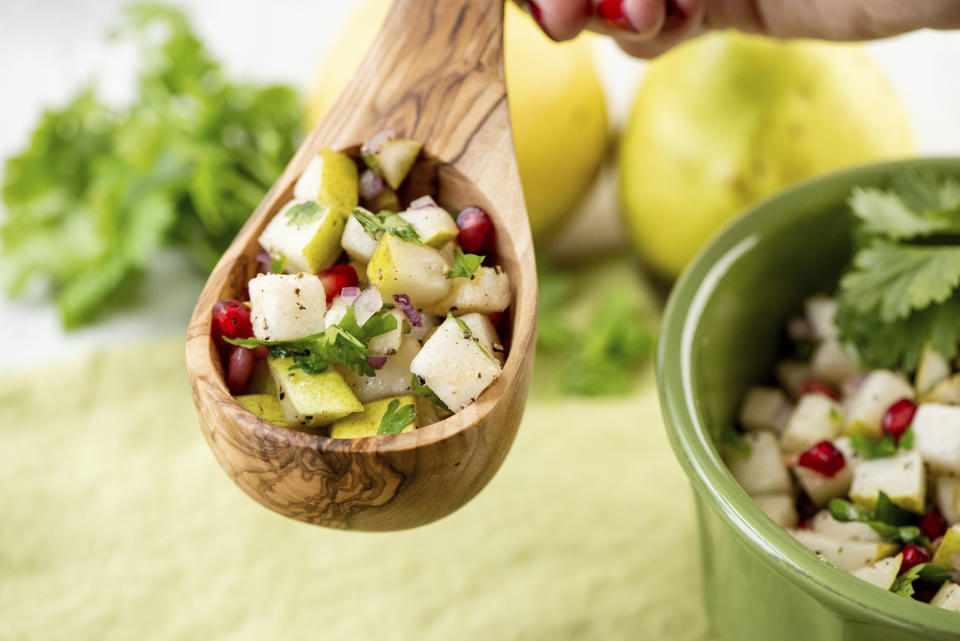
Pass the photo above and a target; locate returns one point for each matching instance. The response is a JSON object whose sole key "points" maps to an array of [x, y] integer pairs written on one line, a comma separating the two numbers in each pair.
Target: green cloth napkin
{"points": [[116, 523]]}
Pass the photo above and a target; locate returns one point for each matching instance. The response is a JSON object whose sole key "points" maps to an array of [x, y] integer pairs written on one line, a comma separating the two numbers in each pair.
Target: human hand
{"points": [[647, 28]]}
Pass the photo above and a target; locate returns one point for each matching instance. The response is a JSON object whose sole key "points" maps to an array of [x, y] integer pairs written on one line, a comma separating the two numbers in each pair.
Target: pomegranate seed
{"points": [[823, 458], [496, 318], [240, 369], [816, 386], [913, 555], [612, 11], [898, 417], [336, 278], [231, 319], [933, 524], [475, 226]]}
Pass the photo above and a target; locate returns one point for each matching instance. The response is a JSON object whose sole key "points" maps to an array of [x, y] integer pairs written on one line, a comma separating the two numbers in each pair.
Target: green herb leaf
{"points": [[277, 263], [420, 388], [888, 520], [304, 213], [380, 323], [873, 448], [97, 192], [394, 420], [927, 572], [732, 443], [845, 511], [464, 265], [386, 222]]}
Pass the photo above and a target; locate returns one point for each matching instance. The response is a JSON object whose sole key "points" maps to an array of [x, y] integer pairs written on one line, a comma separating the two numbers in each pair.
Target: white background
{"points": [[49, 48]]}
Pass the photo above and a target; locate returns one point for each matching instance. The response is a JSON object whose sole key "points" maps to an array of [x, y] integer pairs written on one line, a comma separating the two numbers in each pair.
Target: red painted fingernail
{"points": [[612, 11]]}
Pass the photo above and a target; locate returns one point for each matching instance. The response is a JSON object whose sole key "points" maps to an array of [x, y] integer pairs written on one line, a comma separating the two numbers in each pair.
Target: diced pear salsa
{"points": [[862, 467], [366, 318]]}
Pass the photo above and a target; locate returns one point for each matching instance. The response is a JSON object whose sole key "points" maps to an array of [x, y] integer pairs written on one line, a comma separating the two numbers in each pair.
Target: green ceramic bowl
{"points": [[721, 333]]}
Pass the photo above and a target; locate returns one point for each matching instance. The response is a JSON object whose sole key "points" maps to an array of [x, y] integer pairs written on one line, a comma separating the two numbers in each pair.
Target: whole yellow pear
{"points": [[726, 119], [557, 107]]}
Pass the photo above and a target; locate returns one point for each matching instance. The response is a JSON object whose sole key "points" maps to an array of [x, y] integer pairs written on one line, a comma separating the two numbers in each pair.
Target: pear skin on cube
{"points": [[330, 178], [367, 422], [266, 406], [312, 399]]}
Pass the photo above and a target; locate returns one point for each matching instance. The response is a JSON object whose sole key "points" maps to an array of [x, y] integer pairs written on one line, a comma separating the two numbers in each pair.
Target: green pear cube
{"points": [[948, 554], [486, 291], [357, 242], [331, 179], [307, 234], [367, 422], [902, 477], [846, 555], [936, 432], [947, 497], [824, 523], [266, 406], [312, 399], [816, 418], [433, 224], [947, 597], [393, 159], [833, 363], [393, 379], [865, 410], [882, 573], [400, 267], [932, 370], [765, 408]]}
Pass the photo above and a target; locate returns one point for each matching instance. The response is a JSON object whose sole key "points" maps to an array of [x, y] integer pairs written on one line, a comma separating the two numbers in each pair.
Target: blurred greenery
{"points": [[97, 191]]}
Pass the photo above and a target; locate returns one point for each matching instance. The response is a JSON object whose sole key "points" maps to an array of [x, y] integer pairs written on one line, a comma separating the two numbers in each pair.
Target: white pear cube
{"points": [[816, 418], [449, 252], [761, 471], [880, 390], [947, 597], [312, 399], [433, 224], [902, 477], [330, 178], [820, 312], [933, 369], [833, 363], [393, 379], [936, 435], [822, 488], [388, 342], [824, 523], [455, 365], [846, 555], [765, 408], [792, 375], [882, 573], [336, 312], [428, 323], [781, 508], [948, 553], [287, 306], [947, 497], [400, 267], [486, 333], [358, 244], [306, 234], [486, 291]]}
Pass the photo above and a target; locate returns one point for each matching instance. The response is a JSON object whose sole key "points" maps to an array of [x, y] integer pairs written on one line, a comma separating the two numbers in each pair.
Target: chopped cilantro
{"points": [[732, 443], [394, 419], [464, 265], [304, 213], [420, 388], [890, 521], [871, 448], [927, 572], [902, 289], [277, 263], [386, 222]]}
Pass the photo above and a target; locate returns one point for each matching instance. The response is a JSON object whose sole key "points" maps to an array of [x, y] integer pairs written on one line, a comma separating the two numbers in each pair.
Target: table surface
{"points": [[64, 44]]}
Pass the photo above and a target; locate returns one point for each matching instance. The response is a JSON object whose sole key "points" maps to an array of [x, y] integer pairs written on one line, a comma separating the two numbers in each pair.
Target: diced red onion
{"points": [[367, 304], [377, 361], [375, 141], [263, 262], [349, 294], [370, 185], [406, 306], [422, 202]]}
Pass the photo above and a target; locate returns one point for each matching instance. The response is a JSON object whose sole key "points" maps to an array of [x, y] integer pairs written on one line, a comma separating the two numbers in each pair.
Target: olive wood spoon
{"points": [[435, 73]]}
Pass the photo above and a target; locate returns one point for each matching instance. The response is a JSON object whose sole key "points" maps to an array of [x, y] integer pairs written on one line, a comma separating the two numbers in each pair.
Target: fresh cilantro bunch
{"points": [[98, 191], [902, 290]]}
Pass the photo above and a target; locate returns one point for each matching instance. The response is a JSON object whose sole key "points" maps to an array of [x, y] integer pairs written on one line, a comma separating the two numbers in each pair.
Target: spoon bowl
{"points": [[435, 73]]}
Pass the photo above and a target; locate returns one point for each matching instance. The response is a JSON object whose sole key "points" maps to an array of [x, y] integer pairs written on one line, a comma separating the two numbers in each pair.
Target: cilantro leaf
{"points": [[888, 520], [386, 222], [464, 265], [927, 572], [380, 323], [277, 263], [733, 443], [304, 213], [394, 420], [873, 448], [420, 388]]}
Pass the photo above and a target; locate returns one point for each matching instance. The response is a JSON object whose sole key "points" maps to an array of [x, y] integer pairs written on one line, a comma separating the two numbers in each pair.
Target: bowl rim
{"points": [[693, 446]]}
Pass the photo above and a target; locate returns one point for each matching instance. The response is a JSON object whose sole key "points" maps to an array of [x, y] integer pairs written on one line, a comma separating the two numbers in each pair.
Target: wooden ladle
{"points": [[435, 73]]}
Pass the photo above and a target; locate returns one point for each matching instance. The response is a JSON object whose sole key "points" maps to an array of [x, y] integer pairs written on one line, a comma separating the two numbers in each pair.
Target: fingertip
{"points": [[645, 16], [559, 19]]}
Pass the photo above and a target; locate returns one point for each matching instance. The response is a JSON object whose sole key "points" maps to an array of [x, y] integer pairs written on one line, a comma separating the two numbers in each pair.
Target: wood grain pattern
{"points": [[435, 74]]}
